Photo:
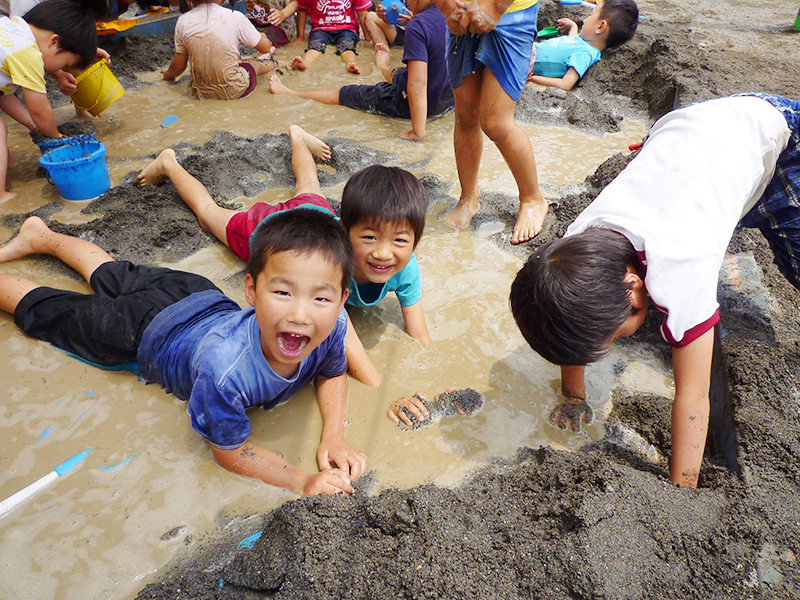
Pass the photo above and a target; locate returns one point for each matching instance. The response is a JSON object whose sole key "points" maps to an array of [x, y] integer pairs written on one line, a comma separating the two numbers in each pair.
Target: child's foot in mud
{"points": [[156, 172], [353, 68], [416, 412]]}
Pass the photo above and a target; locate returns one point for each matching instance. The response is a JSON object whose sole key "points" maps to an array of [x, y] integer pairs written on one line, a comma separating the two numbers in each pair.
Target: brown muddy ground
{"points": [[602, 522]]}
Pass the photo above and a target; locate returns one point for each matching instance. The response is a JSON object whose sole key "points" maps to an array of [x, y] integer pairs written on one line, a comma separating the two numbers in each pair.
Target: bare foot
{"points": [[530, 220], [382, 55], [6, 196], [353, 68], [317, 147], [462, 213], [298, 63], [276, 86], [156, 172], [28, 241]]}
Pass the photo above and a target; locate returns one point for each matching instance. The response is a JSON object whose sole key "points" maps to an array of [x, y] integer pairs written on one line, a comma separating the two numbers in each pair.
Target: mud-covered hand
{"points": [[482, 17], [455, 19], [328, 481], [335, 450], [572, 413], [414, 404]]}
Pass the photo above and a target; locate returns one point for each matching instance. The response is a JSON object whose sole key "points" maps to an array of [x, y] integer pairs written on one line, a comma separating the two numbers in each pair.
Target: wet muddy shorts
{"points": [[383, 98], [506, 51], [343, 39], [105, 328], [251, 72], [777, 213], [243, 225]]}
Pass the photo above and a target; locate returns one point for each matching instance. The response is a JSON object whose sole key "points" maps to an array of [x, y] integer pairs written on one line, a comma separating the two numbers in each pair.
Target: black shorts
{"points": [[383, 98], [105, 328]]}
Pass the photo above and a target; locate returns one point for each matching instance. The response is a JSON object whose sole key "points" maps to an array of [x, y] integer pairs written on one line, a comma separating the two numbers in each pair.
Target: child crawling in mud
{"points": [[208, 36], [383, 210], [660, 230], [178, 330]]}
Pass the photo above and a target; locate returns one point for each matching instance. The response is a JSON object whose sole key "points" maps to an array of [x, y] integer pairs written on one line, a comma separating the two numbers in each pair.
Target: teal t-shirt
{"points": [[407, 284], [555, 56]]}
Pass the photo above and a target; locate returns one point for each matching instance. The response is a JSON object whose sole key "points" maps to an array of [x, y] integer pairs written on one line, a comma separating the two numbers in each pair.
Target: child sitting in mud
{"points": [[54, 35], [379, 29], [560, 62], [178, 330], [209, 36], [383, 210], [332, 24], [660, 229], [419, 91]]}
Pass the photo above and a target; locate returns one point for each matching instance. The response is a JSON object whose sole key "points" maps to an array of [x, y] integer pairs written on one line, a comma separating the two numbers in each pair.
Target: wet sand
{"points": [[601, 521]]}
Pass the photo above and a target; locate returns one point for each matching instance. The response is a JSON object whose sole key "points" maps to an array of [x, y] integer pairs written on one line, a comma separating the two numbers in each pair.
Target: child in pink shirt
{"points": [[333, 23]]}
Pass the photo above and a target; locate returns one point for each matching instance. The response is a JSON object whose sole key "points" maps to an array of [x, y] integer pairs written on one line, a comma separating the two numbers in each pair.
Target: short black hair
{"points": [[305, 231], [73, 21], [387, 194], [623, 19], [569, 298]]}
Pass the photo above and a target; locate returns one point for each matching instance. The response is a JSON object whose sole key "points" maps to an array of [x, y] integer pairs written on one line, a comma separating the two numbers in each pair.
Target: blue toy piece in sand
{"points": [[170, 120], [394, 8]]}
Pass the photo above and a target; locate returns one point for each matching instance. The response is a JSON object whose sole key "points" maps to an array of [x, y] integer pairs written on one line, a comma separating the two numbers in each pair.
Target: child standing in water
{"points": [[53, 36], [209, 35]]}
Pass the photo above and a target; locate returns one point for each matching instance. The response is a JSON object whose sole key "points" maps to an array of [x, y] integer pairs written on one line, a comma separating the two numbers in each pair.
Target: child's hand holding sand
{"points": [[415, 412]]}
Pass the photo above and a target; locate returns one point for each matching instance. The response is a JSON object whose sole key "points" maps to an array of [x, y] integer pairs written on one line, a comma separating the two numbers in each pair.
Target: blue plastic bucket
{"points": [[78, 170]]}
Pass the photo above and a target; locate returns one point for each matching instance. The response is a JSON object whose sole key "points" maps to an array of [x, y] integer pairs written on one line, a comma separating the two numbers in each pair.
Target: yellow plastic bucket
{"points": [[97, 88]]}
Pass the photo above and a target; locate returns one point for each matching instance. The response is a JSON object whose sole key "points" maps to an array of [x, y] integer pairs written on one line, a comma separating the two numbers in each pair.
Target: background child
{"points": [[661, 229], [332, 24], [380, 31], [562, 61], [383, 209], [209, 36], [415, 92], [178, 330], [54, 35]]}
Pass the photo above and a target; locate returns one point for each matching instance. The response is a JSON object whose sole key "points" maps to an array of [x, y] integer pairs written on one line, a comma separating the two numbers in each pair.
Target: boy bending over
{"points": [[417, 91], [383, 210], [660, 229], [560, 62], [178, 330]]}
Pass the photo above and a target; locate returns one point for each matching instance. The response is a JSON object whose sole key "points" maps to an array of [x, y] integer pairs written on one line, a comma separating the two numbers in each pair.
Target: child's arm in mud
{"points": [[690, 410], [41, 113], [565, 83], [414, 318], [264, 45], [334, 449], [359, 365], [573, 410], [417, 89], [12, 106], [252, 460], [176, 67]]}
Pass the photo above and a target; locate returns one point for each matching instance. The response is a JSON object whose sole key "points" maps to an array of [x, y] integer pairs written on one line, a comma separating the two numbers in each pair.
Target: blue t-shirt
{"points": [[555, 56], [425, 41], [407, 284], [207, 351]]}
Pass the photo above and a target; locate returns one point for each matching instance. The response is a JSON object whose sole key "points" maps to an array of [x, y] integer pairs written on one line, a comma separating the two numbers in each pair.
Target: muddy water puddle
{"points": [[151, 487]]}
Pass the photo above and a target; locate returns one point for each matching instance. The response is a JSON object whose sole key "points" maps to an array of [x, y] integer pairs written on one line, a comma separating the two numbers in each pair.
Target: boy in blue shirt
{"points": [[383, 210], [560, 62], [178, 330]]}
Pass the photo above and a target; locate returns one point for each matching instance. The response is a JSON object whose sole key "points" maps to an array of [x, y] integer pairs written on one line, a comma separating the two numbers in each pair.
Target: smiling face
{"points": [[297, 298], [382, 250]]}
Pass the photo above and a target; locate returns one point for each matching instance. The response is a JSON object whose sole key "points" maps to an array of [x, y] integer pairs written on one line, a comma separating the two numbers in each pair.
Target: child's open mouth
{"points": [[292, 344]]}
